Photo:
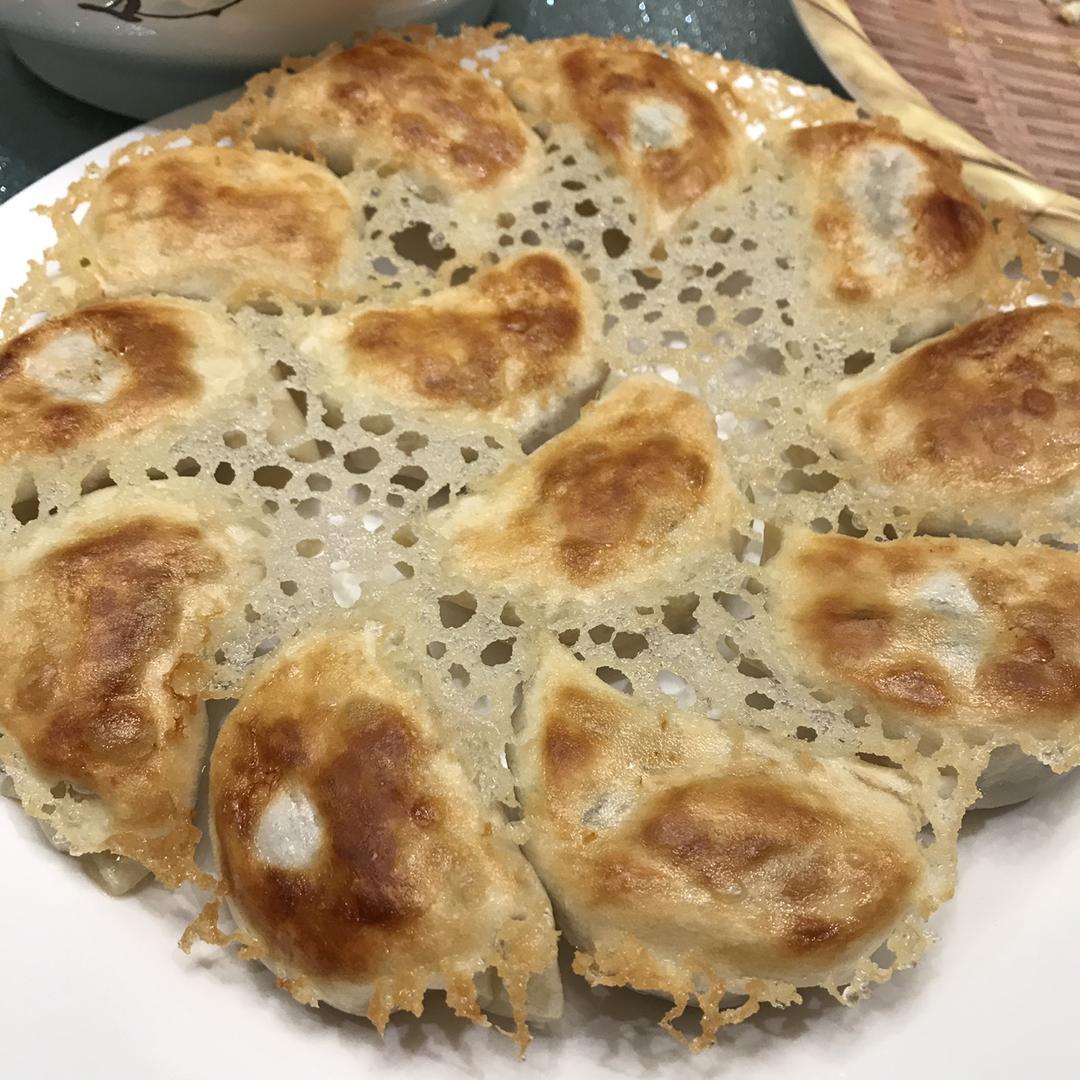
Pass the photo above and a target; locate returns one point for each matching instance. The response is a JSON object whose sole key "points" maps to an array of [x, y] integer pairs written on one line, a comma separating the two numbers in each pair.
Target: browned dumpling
{"points": [[664, 129], [390, 102], [357, 857], [694, 858], [956, 638], [223, 222], [892, 218], [516, 346], [115, 374], [983, 419], [110, 614], [622, 500]]}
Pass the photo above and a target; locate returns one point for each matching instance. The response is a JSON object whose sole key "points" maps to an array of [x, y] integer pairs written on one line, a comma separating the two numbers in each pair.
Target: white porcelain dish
{"points": [[95, 987], [145, 57]]}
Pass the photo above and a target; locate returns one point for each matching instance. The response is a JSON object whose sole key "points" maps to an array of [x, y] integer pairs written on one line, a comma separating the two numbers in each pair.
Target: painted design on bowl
{"points": [[132, 10]]}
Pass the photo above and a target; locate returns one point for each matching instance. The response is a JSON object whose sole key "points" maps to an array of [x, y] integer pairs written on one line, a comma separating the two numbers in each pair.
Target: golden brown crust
{"points": [[720, 832], [695, 858], [401, 104], [411, 881], [666, 132], [988, 414], [621, 497], [953, 635], [365, 787], [213, 221], [108, 617], [510, 346], [114, 371], [155, 348], [934, 235]]}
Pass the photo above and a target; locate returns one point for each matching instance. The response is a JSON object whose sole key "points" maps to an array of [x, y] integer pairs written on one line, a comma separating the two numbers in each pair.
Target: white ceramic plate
{"points": [[92, 986]]}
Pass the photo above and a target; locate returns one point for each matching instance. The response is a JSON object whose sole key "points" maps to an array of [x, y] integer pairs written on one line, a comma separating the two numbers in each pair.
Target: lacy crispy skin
{"points": [[355, 852], [110, 615], [516, 346], [614, 534], [666, 131], [634, 489], [893, 218], [695, 858], [117, 371], [986, 418], [395, 103], [223, 222], [950, 636]]}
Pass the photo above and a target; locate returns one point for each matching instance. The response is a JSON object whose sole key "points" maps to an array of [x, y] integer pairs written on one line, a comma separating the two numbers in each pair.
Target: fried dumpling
{"points": [[110, 613], [620, 501], [357, 857], [393, 103], [117, 373], [893, 220], [953, 639], [985, 419], [692, 858], [665, 131], [517, 345], [223, 222]]}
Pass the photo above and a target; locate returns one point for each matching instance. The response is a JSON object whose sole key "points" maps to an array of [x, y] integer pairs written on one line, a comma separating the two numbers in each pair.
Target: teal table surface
{"points": [[40, 128]]}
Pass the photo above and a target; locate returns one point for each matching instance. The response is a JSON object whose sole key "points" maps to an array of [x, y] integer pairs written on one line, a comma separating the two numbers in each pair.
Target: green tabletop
{"points": [[41, 128]]}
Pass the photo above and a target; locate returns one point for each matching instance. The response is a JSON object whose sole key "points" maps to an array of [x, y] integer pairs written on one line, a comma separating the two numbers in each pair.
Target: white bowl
{"points": [[146, 57]]}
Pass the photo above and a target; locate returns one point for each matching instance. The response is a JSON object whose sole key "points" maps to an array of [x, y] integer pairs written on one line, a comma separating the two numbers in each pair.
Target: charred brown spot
{"points": [[424, 812], [151, 341], [1031, 685], [606, 84], [575, 727], [1033, 665], [610, 496], [721, 830], [514, 333], [949, 231], [565, 747], [849, 633], [449, 120], [267, 757], [915, 687], [809, 935]]}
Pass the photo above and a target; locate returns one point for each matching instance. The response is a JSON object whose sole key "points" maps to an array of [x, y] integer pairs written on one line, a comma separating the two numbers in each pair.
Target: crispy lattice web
{"points": [[725, 306]]}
